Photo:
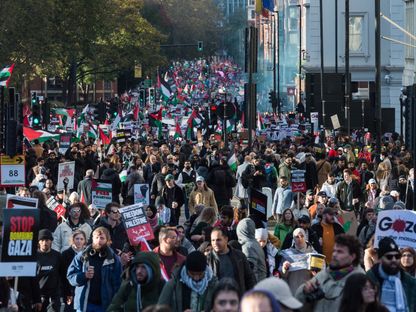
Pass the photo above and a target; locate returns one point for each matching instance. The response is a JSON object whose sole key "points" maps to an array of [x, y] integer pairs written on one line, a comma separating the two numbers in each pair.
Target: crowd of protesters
{"points": [[209, 253]]}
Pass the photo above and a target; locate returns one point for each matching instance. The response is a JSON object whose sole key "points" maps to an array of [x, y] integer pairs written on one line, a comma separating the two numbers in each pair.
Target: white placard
{"points": [[66, 170], [141, 194], [397, 224], [18, 268], [335, 122]]}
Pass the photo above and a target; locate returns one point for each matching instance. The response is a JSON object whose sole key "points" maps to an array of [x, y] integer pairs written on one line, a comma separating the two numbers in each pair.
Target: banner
{"points": [[397, 224], [141, 194], [136, 224], [258, 206], [66, 170], [64, 142], [54, 205], [101, 193], [20, 240]]}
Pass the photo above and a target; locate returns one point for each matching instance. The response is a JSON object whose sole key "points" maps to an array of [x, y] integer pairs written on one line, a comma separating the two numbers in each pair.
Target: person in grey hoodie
{"points": [[251, 248]]}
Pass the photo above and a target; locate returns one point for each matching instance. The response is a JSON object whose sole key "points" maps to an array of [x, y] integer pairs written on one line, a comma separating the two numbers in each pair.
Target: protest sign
{"points": [[136, 224], [298, 181], [66, 170], [20, 240], [54, 205], [14, 201], [101, 193], [348, 221], [141, 194], [64, 142], [397, 224], [258, 206]]}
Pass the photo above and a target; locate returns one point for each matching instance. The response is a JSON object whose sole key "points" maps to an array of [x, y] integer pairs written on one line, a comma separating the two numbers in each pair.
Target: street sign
{"points": [[298, 181], [12, 171]]}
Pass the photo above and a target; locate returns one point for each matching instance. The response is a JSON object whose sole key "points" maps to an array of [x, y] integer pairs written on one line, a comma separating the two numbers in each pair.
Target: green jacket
{"points": [[174, 292], [281, 230], [408, 283], [126, 297]]}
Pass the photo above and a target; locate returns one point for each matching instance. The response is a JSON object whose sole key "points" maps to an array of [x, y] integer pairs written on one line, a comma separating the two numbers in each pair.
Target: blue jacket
{"points": [[110, 276]]}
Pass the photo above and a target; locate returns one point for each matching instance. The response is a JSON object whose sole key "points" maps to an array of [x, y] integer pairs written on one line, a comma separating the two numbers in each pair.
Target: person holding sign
{"points": [[95, 273]]}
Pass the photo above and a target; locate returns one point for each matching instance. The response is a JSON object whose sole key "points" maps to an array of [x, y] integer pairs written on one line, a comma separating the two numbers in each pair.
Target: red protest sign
{"points": [[136, 224]]}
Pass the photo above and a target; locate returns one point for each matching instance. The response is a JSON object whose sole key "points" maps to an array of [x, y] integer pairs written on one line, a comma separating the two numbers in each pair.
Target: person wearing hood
{"points": [[84, 187], [142, 286], [134, 177], [191, 286], [251, 248], [63, 233], [270, 251], [300, 248], [110, 175]]}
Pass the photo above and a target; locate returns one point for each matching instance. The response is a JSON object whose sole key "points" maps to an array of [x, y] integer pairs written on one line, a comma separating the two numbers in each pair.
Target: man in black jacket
{"points": [[228, 262], [49, 272], [173, 197]]}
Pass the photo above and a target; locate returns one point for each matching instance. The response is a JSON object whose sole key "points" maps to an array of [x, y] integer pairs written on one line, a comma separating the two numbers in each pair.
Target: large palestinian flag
{"points": [[40, 135]]}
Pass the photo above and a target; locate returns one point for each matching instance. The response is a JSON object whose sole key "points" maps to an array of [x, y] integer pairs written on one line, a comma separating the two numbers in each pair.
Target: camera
{"points": [[316, 295]]}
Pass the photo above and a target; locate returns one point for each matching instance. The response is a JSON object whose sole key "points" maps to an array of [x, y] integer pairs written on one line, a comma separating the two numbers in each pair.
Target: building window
{"points": [[107, 84], [410, 27], [356, 34]]}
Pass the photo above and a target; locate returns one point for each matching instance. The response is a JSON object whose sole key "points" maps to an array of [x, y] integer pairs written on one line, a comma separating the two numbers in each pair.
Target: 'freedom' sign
{"points": [[397, 224]]}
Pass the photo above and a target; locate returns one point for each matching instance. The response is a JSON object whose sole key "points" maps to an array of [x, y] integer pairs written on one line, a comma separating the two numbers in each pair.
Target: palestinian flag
{"points": [[178, 132], [155, 120], [105, 139], [5, 75], [232, 163], [40, 135], [260, 123]]}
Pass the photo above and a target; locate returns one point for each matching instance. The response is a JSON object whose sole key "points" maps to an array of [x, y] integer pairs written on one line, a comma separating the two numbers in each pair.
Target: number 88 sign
{"points": [[12, 171]]}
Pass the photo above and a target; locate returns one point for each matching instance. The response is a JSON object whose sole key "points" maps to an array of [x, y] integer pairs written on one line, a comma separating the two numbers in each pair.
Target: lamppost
{"points": [[276, 61], [347, 65], [299, 108], [224, 117]]}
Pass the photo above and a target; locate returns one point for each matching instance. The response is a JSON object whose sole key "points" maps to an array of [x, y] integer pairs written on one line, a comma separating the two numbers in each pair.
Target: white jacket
{"points": [[63, 233]]}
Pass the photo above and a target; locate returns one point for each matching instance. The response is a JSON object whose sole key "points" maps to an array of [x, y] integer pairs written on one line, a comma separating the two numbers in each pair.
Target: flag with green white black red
{"points": [[5, 75]]}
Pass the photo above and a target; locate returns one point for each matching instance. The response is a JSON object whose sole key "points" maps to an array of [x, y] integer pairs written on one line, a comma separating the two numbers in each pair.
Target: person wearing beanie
{"points": [[142, 285], [270, 251], [49, 270], [397, 288], [301, 247], [191, 286]]}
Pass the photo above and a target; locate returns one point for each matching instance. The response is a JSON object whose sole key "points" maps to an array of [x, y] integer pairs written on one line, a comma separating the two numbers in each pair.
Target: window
{"points": [[410, 27], [356, 34], [107, 84]]}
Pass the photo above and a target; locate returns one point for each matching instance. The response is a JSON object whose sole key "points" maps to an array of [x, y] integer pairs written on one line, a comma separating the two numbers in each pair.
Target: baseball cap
{"points": [[322, 193], [372, 181], [169, 177], [280, 291], [309, 192], [200, 178]]}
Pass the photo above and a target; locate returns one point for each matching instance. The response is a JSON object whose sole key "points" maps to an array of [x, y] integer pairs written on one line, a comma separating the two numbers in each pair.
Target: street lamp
{"points": [[300, 107]]}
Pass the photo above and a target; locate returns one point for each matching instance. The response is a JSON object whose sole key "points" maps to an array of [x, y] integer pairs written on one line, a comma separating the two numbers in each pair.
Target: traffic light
{"points": [[152, 95], [113, 109], [46, 113], [36, 117], [213, 114], [200, 46], [142, 97]]}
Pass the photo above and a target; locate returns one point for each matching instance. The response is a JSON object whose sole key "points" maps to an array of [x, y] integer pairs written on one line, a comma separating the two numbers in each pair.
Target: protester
{"points": [[324, 291], [360, 294], [227, 262], [95, 273], [286, 225], [408, 260], [251, 248], [397, 288], [85, 187], [142, 285], [282, 198], [191, 286], [226, 296], [202, 194], [64, 231]]}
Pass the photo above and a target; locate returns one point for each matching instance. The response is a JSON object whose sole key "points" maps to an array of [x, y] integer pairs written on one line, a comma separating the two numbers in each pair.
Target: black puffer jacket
{"points": [[110, 175]]}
